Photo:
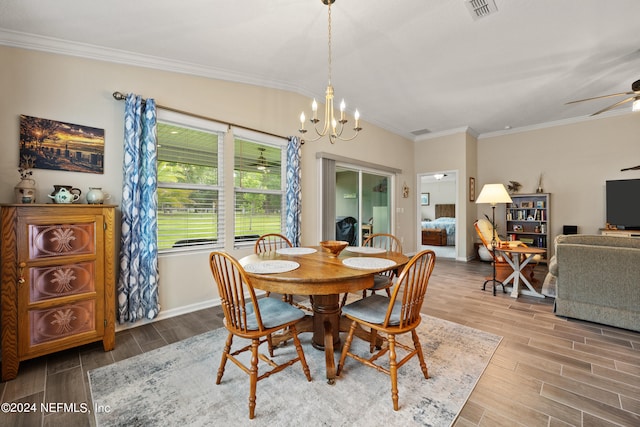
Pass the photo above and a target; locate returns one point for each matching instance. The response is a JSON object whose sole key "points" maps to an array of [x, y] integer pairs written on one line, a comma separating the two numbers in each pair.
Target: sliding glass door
{"points": [[362, 203]]}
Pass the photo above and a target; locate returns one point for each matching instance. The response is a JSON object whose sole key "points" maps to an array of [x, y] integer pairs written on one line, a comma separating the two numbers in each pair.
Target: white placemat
{"points": [[365, 250], [368, 263], [269, 267], [295, 251]]}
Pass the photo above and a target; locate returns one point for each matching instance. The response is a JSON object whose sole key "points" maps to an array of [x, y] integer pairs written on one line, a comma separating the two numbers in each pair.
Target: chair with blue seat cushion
{"points": [[392, 316], [384, 280], [254, 319], [271, 242], [381, 281]]}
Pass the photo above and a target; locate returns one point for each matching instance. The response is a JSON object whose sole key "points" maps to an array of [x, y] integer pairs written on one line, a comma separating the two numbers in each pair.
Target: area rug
{"points": [[175, 385]]}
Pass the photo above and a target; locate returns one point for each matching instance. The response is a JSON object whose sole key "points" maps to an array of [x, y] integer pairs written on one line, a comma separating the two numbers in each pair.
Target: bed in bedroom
{"points": [[442, 230]]}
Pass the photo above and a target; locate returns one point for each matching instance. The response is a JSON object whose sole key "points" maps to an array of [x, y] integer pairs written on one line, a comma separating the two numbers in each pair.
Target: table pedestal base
{"points": [[326, 325]]}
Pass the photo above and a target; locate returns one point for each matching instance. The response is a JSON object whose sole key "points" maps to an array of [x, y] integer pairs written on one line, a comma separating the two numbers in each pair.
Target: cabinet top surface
{"points": [[54, 205]]}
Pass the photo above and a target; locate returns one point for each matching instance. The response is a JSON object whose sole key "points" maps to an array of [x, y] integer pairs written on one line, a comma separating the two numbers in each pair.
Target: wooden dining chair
{"points": [[254, 319], [392, 316], [383, 280], [272, 242]]}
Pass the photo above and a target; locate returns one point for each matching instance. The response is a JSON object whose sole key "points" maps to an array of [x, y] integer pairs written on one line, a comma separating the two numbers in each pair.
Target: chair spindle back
{"points": [[384, 241], [271, 242], [411, 288], [235, 291]]}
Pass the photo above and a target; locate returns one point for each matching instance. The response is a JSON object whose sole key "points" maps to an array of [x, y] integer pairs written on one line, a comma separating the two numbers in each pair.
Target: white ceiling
{"points": [[407, 65]]}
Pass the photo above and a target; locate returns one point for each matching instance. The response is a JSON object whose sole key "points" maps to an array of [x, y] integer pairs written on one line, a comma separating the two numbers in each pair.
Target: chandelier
{"points": [[332, 126]]}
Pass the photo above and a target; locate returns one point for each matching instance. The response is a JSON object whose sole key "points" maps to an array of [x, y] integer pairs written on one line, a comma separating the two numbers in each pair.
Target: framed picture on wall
{"points": [[424, 199], [61, 146], [472, 189]]}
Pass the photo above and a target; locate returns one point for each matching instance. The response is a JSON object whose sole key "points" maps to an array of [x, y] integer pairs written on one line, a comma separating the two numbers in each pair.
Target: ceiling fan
{"points": [[261, 162], [635, 97]]}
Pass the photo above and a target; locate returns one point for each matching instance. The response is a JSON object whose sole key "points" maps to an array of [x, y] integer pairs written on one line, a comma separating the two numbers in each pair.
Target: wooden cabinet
{"points": [[527, 219], [58, 280]]}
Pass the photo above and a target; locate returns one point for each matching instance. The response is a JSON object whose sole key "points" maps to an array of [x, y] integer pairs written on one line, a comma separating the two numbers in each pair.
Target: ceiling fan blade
{"points": [[601, 97], [635, 168], [631, 98]]}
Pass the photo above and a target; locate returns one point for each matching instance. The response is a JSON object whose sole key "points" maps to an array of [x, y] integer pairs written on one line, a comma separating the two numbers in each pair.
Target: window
{"points": [[190, 196], [259, 185], [191, 189]]}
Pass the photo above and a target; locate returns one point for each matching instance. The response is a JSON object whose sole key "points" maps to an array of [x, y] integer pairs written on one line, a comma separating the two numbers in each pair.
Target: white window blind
{"points": [[190, 196], [259, 184]]}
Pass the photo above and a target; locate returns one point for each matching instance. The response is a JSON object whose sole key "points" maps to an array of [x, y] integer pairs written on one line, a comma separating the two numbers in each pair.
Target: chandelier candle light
{"points": [[330, 122]]}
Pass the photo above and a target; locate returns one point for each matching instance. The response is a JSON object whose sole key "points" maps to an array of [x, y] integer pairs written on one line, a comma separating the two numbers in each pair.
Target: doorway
{"points": [[437, 210]]}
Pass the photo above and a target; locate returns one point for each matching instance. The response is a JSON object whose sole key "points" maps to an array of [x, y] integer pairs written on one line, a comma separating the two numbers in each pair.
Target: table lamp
{"points": [[493, 194]]}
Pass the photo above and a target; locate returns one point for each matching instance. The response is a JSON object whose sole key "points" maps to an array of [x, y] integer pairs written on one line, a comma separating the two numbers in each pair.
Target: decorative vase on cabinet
{"points": [[58, 280], [25, 191]]}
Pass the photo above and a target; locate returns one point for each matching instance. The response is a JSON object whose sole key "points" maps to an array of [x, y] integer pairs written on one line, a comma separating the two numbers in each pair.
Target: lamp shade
{"points": [[493, 194]]}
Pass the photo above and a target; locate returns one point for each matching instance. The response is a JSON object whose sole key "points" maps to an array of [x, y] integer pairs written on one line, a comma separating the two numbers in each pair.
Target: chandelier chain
{"points": [[329, 41]]}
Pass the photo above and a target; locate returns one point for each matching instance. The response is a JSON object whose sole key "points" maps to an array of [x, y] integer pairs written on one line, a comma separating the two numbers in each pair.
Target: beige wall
{"points": [[79, 91], [575, 159]]}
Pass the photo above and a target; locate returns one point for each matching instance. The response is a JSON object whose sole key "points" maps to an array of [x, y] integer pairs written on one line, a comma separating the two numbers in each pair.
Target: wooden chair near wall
{"points": [[248, 317], [392, 316], [271, 242]]}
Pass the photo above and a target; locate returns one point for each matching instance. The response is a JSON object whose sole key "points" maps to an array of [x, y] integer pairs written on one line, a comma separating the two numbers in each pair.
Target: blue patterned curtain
{"points": [[138, 284], [293, 192]]}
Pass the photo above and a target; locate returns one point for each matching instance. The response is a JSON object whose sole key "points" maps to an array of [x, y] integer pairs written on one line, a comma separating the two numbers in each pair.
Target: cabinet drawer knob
{"points": [[21, 267]]}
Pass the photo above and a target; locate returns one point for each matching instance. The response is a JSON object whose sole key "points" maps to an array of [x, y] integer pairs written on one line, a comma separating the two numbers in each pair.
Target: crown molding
{"points": [[82, 50], [556, 123], [464, 129]]}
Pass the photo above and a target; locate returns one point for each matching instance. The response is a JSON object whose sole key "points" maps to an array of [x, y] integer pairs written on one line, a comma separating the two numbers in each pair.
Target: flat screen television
{"points": [[623, 203]]}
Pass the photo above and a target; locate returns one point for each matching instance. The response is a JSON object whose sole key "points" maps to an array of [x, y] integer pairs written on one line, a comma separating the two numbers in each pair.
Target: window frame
{"points": [[271, 141], [210, 126]]}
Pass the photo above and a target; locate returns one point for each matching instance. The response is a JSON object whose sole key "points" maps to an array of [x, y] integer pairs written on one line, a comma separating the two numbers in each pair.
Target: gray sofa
{"points": [[598, 279]]}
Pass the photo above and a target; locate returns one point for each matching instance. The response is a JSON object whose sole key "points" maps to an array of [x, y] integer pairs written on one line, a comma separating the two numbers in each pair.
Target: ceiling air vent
{"points": [[480, 8], [420, 132]]}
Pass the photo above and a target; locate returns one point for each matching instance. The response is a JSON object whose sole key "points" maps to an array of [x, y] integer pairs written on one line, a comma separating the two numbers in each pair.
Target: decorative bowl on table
{"points": [[334, 247]]}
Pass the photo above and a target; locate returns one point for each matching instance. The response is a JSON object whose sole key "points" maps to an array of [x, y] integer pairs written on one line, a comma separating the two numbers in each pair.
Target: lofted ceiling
{"points": [[413, 67]]}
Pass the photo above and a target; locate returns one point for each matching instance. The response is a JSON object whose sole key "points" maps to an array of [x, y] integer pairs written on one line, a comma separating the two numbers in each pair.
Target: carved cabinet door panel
{"points": [[61, 298]]}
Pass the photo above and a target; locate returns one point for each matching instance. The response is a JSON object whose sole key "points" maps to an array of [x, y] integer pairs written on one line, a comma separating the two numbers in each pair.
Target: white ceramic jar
{"points": [[96, 196]]}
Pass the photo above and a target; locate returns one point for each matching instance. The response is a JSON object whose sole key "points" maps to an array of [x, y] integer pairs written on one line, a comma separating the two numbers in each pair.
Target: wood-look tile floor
{"points": [[547, 371]]}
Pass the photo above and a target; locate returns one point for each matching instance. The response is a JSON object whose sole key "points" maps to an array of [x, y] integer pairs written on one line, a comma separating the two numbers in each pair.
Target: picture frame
{"points": [[61, 146], [472, 189], [526, 205], [424, 199], [540, 204]]}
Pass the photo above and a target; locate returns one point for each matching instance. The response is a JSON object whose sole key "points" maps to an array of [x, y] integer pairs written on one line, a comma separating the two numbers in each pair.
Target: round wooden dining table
{"points": [[324, 278]]}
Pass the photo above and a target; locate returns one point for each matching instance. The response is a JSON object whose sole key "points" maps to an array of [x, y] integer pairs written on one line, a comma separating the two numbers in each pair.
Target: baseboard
{"points": [[167, 314]]}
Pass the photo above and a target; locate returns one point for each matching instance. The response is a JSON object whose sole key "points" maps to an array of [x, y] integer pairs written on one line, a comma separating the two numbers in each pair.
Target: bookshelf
{"points": [[527, 219]]}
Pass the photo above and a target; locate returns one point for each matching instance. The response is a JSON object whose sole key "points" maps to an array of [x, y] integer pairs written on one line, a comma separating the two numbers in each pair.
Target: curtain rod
{"points": [[120, 97]]}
